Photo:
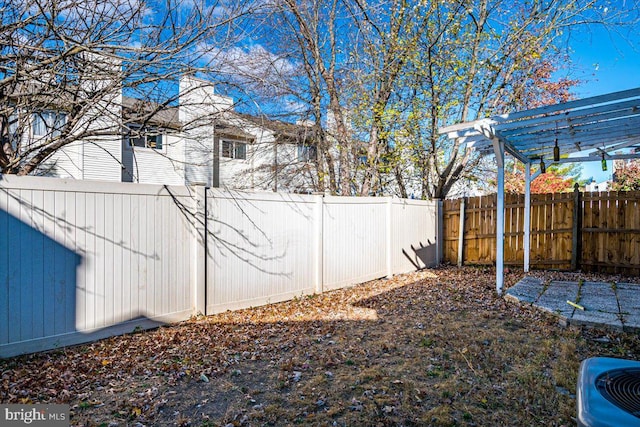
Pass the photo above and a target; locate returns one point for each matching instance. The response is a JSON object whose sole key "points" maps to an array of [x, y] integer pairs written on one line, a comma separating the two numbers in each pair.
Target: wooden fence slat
{"points": [[608, 227]]}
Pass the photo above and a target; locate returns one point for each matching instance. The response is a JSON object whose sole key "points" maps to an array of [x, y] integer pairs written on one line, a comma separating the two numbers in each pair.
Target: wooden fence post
{"points": [[576, 241]]}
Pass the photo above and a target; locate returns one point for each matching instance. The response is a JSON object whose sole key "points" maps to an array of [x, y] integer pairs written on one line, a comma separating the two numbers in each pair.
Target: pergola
{"points": [[605, 127]]}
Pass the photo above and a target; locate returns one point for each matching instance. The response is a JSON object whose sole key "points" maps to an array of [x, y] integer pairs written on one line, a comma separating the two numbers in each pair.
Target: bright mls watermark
{"points": [[34, 415]]}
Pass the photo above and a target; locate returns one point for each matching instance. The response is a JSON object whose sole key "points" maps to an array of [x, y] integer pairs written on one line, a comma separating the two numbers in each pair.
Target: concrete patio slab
{"points": [[601, 306], [616, 307], [528, 290], [555, 297], [629, 301]]}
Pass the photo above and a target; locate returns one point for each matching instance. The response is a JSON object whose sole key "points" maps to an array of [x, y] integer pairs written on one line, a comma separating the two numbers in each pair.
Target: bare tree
{"points": [[66, 68], [379, 77], [297, 74]]}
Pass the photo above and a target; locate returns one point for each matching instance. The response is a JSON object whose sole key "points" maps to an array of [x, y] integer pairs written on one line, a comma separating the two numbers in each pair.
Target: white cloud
{"points": [[253, 65]]}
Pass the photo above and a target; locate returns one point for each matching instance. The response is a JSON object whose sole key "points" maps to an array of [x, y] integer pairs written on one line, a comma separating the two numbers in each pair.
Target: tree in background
{"points": [[65, 65], [556, 179], [479, 59], [333, 63], [373, 79], [626, 176], [288, 65], [379, 77]]}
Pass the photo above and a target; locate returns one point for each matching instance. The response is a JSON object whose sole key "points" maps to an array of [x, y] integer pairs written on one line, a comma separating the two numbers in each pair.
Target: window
{"points": [[145, 137], [13, 124], [13, 134], [307, 153], [240, 150], [154, 141], [48, 123], [234, 150], [227, 149]]}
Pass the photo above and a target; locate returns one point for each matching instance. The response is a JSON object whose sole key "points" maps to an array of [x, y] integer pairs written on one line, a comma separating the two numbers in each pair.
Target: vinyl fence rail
{"points": [[83, 260]]}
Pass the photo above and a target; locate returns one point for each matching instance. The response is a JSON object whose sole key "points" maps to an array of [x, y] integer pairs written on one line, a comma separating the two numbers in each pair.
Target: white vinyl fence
{"points": [[83, 260], [269, 247]]}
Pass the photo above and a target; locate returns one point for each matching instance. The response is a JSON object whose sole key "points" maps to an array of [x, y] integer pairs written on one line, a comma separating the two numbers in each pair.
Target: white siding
{"points": [[241, 173], [101, 156], [196, 113], [64, 163], [102, 159], [81, 259], [257, 171], [199, 158], [165, 166]]}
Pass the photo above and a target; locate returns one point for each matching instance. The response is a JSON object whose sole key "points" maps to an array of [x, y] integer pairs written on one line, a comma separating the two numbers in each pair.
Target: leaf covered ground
{"points": [[437, 347]]}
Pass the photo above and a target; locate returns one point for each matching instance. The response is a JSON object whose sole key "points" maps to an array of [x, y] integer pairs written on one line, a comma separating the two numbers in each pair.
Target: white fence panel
{"points": [[260, 248], [354, 240], [81, 260], [413, 235]]}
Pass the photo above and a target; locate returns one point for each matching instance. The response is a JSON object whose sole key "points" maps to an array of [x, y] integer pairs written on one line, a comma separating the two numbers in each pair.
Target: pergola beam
{"points": [[580, 117], [570, 105], [627, 144], [606, 123], [490, 133], [548, 110], [622, 127]]}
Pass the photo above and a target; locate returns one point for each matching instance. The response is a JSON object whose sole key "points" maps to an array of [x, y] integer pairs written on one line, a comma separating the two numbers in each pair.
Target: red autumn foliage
{"points": [[553, 181], [626, 176]]}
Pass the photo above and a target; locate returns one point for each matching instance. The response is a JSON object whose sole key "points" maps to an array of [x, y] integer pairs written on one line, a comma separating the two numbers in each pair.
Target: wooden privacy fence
{"points": [[569, 231]]}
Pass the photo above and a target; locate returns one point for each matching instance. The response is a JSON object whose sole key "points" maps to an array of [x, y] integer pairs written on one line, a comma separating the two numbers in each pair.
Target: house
{"points": [[597, 186], [202, 139]]}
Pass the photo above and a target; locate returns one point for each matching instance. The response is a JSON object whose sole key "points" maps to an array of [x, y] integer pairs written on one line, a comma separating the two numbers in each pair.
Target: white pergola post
{"points": [[527, 215], [498, 147], [599, 125]]}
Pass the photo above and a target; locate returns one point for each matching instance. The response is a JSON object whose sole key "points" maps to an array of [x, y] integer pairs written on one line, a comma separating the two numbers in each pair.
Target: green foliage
{"points": [[401, 70], [464, 66]]}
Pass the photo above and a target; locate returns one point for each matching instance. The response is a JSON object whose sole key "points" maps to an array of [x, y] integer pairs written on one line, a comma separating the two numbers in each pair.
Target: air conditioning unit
{"points": [[608, 393]]}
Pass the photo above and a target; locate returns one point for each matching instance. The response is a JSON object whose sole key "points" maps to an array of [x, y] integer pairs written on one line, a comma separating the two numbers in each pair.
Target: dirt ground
{"points": [[437, 347]]}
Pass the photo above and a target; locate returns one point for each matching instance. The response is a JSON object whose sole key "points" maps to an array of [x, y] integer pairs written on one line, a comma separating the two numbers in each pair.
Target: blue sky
{"points": [[606, 63]]}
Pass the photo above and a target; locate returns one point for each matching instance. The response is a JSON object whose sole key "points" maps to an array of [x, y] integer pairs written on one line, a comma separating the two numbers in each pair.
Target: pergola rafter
{"points": [[600, 126]]}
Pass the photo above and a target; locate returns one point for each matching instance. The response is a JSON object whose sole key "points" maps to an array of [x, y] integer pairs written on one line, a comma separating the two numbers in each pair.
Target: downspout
{"points": [[82, 162]]}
